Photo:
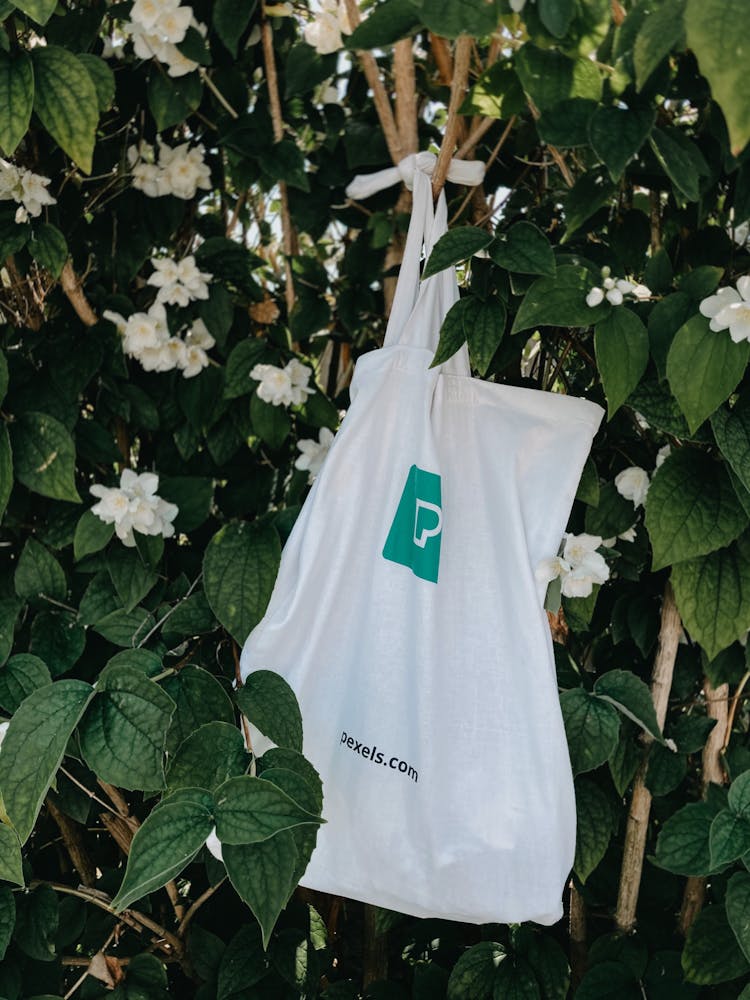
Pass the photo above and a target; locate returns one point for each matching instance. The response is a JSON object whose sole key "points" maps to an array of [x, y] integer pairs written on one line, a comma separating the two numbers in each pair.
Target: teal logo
{"points": [[414, 538]]}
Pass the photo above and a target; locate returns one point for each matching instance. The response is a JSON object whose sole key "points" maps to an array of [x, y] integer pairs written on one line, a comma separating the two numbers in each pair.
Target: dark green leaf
{"points": [[738, 910], [132, 579], [732, 431], [474, 973], [34, 746], [591, 726], [49, 248], [703, 368], [630, 696], [208, 757], [621, 345], [239, 571], [713, 596], [549, 76], [22, 674], [101, 76], [271, 424], [6, 469], [243, 964], [250, 810], [664, 320], [91, 535], [514, 980], [452, 334], [729, 838], [11, 862], [38, 10], [524, 249], [616, 135], [39, 574], [549, 964], [263, 874], [243, 357], [270, 704], [556, 15], [609, 981], [230, 19], [123, 734], [37, 920], [7, 917], [171, 101], [677, 163], [199, 699], [559, 301], [44, 456], [594, 827], [454, 246], [16, 98], [484, 325], [385, 24], [451, 18], [662, 30], [712, 954], [612, 515], [66, 101], [591, 191], [566, 124], [163, 845]]}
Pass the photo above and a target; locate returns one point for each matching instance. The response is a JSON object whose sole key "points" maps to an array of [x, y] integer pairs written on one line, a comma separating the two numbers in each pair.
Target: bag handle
{"points": [[420, 306]]}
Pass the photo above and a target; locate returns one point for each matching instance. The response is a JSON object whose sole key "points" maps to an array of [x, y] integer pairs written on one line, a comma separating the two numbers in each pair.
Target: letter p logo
{"points": [[414, 538]]}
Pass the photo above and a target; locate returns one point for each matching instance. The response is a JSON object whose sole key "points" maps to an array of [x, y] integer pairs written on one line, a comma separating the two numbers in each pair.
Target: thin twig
{"points": [[733, 710], [218, 94], [490, 160], [71, 285], [461, 62], [203, 898], [171, 611], [470, 143], [87, 791]]}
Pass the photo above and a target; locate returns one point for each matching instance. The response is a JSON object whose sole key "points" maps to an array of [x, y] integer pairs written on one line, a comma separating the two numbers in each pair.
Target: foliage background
{"points": [[615, 135]]}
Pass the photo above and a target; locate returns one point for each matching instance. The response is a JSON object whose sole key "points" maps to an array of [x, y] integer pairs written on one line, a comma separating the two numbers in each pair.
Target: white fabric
{"points": [[468, 172], [453, 680]]}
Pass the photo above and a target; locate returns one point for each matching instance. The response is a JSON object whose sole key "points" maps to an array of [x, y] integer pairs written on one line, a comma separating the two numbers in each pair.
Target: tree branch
{"points": [[640, 806], [458, 89], [71, 285]]}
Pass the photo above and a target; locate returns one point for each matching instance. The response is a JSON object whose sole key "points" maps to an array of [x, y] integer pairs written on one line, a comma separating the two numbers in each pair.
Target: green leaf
{"points": [[548, 76], [101, 76], [664, 320], [243, 357], [713, 597], [738, 909], [208, 757], [65, 100], [496, 94], [678, 164], [732, 432], [163, 845], [712, 954], [588, 488], [171, 101], [123, 734], [199, 698], [451, 18], [229, 19], [239, 572], [729, 838], [631, 696], [454, 246], [739, 795], [474, 973], [270, 704], [591, 726], [556, 15], [49, 248], [612, 515], [22, 674], [284, 161], [193, 496], [712, 34], [298, 789], [16, 98], [125, 628], [609, 981], [7, 913], [703, 368], [39, 574], [262, 874], [272, 424], [549, 963], [484, 324], [594, 827], [384, 25], [666, 770], [11, 862], [452, 334], [700, 281], [514, 980], [622, 350], [692, 508], [591, 191], [566, 124], [34, 746], [44, 456], [58, 639], [38, 10], [91, 535], [243, 963], [37, 923], [6, 469], [281, 758], [132, 579], [524, 249], [662, 30], [616, 135], [559, 301], [250, 810]]}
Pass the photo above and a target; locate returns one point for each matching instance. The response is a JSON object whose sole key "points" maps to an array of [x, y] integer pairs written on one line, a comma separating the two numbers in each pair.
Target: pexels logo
{"points": [[414, 538], [378, 757]]}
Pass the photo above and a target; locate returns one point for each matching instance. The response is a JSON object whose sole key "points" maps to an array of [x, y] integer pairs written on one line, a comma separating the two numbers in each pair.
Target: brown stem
{"points": [[289, 235], [406, 95], [712, 771], [655, 220], [71, 833], [470, 143], [732, 711], [203, 898], [637, 827], [379, 95], [458, 89], [71, 285], [577, 934]]}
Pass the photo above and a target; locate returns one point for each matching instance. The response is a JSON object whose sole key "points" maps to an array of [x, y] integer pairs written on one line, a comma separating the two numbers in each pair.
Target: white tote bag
{"points": [[408, 621]]}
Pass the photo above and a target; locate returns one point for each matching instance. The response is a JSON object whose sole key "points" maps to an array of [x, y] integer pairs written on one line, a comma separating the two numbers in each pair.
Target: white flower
{"points": [[626, 536], [595, 297], [3, 730], [632, 484], [27, 189], [195, 361], [314, 452], [179, 282], [146, 13], [146, 337], [517, 5], [662, 454], [134, 506], [325, 30], [579, 568], [179, 170], [157, 28], [614, 290], [198, 336], [144, 330], [730, 309], [286, 386]]}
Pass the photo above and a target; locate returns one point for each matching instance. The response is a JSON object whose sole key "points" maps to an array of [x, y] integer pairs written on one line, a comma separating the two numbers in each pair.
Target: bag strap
{"points": [[420, 306]]}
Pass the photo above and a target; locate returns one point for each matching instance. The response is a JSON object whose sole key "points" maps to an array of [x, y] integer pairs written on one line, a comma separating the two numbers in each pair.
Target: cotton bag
{"points": [[407, 619]]}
